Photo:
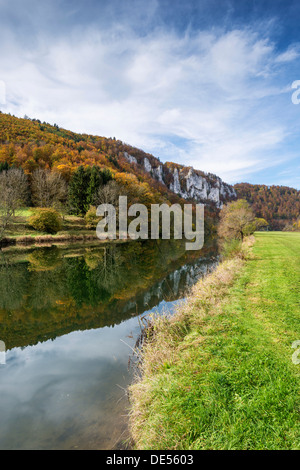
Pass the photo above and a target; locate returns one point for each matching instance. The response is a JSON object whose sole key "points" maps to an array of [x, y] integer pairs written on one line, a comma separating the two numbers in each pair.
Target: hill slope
{"points": [[31, 144], [279, 205]]}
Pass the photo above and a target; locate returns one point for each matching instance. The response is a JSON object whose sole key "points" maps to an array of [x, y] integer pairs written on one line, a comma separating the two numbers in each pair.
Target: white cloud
{"points": [[289, 55], [220, 93], [2, 92]]}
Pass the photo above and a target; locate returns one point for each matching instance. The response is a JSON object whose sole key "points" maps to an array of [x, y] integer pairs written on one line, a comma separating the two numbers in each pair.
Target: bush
{"points": [[231, 248], [46, 220], [91, 218]]}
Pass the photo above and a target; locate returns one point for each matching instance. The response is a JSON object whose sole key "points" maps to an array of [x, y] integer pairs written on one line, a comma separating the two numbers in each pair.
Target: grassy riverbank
{"points": [[73, 229], [220, 375]]}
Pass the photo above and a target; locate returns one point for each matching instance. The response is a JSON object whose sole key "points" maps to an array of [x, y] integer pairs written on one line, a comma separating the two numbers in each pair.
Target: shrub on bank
{"points": [[231, 248], [91, 219], [46, 220]]}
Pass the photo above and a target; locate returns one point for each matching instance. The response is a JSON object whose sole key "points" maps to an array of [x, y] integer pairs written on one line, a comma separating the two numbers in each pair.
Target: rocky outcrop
{"points": [[130, 158], [192, 184], [187, 182], [158, 174], [147, 165]]}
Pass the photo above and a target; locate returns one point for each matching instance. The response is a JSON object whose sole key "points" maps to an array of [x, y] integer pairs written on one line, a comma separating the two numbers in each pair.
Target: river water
{"points": [[69, 317]]}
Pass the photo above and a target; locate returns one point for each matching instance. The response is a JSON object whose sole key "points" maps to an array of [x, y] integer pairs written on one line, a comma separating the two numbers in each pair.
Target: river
{"points": [[69, 318]]}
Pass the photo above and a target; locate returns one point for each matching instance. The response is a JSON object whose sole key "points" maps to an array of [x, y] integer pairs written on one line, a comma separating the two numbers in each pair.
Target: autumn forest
{"points": [[73, 172]]}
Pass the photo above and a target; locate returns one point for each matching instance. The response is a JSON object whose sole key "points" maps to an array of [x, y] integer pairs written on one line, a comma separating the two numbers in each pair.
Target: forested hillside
{"points": [[72, 167], [31, 145], [279, 205]]}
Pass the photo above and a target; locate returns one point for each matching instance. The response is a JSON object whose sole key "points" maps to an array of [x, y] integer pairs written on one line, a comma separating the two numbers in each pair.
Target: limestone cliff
{"points": [[187, 182]]}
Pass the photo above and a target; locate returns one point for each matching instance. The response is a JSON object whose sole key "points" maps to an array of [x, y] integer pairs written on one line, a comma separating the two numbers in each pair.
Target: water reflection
{"points": [[63, 315]]}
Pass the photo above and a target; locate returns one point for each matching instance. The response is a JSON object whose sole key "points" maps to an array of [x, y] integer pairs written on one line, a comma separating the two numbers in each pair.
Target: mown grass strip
{"points": [[219, 375]]}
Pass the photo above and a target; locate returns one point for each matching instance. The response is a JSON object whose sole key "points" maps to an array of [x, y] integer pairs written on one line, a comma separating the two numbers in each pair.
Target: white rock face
{"points": [[200, 189], [158, 173], [231, 192], [214, 195], [176, 187], [130, 158], [196, 186], [190, 185], [147, 165]]}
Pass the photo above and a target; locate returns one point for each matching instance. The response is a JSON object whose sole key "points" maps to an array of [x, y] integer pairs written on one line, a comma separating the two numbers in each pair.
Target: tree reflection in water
{"points": [[47, 292]]}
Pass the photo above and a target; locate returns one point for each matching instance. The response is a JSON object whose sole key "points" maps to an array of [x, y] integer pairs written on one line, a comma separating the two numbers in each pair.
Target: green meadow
{"points": [[219, 374]]}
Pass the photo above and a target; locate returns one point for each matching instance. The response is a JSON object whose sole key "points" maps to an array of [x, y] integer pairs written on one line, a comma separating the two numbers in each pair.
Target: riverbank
{"points": [[219, 374], [19, 233]]}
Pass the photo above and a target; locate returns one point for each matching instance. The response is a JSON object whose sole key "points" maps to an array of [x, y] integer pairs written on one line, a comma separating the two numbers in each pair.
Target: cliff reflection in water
{"points": [[48, 292]]}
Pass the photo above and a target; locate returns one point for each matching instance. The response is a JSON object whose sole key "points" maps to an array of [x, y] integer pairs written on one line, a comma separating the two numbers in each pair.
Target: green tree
{"points": [[106, 175], [4, 166], [94, 184], [84, 187], [78, 191], [260, 223]]}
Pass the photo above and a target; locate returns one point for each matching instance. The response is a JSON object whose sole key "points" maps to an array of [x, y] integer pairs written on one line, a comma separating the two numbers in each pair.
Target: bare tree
{"points": [[13, 195], [237, 220], [49, 189], [109, 194]]}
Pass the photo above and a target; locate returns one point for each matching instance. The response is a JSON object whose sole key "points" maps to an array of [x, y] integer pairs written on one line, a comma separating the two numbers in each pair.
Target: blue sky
{"points": [[206, 83]]}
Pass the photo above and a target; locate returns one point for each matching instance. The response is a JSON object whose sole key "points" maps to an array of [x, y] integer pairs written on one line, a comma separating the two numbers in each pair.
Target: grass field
{"points": [[220, 375]]}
